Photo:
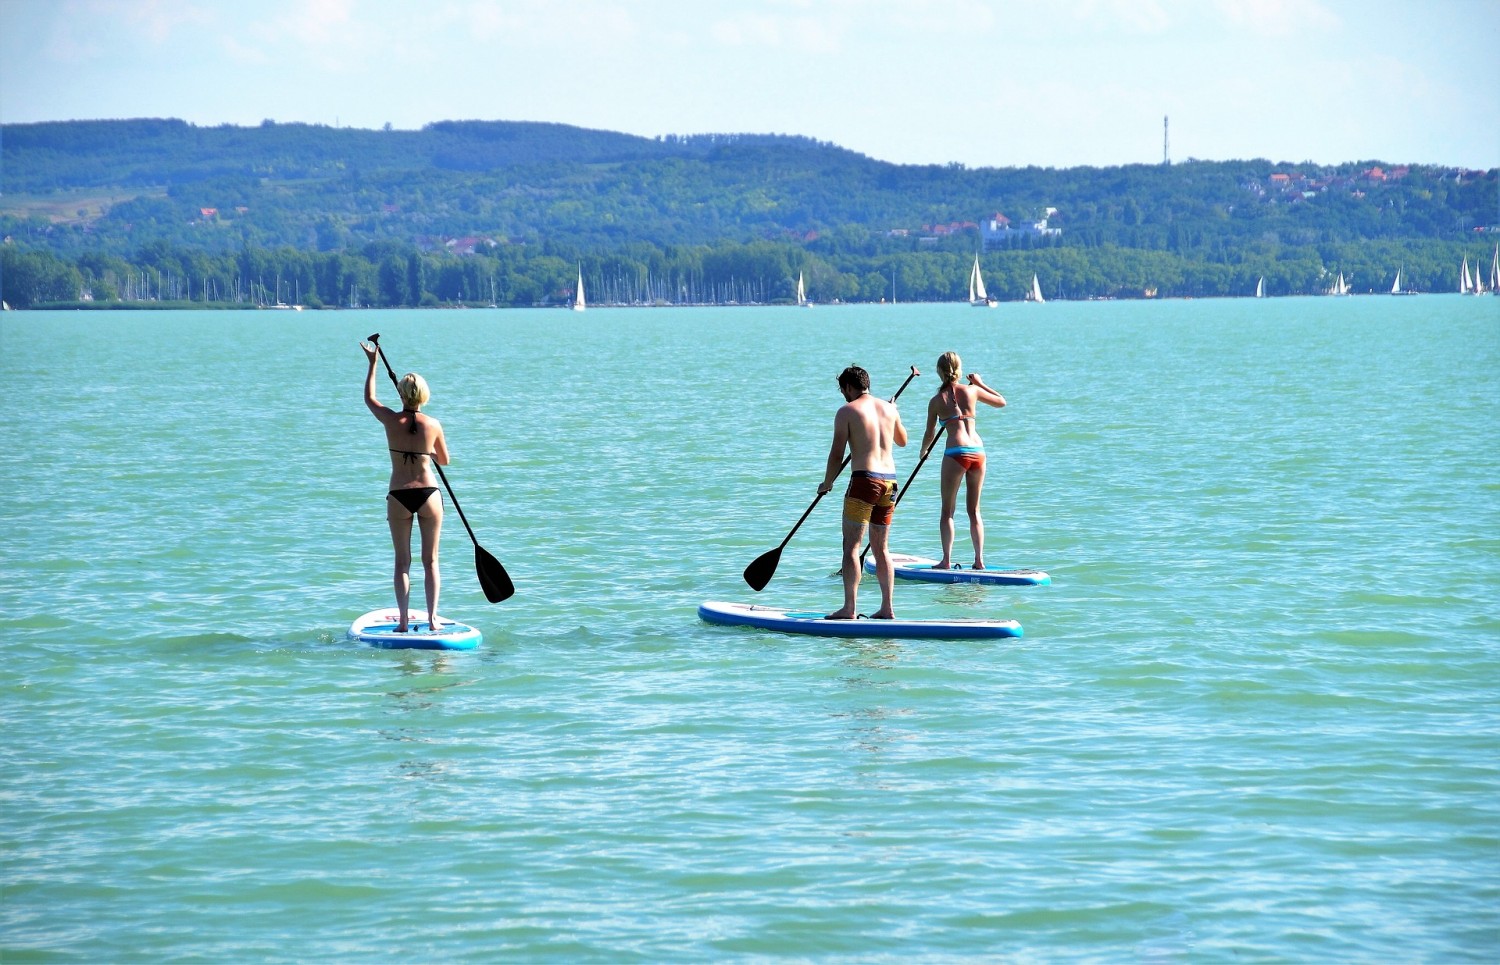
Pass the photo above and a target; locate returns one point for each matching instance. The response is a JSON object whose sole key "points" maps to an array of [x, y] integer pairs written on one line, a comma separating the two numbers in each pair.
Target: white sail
{"points": [[978, 297], [1343, 285], [1495, 272], [1465, 283], [801, 292], [1396, 286], [1035, 295], [578, 302], [1260, 287]]}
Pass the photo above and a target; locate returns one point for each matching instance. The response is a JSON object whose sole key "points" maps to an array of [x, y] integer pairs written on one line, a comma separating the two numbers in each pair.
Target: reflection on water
{"points": [[973, 595], [434, 675], [867, 726]]}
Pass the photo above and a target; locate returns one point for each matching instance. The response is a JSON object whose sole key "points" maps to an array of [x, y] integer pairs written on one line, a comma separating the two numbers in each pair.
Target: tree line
{"points": [[397, 275]]}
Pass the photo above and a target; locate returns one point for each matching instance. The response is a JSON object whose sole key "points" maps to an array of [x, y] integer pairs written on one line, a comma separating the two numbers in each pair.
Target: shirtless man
{"points": [[868, 427]]}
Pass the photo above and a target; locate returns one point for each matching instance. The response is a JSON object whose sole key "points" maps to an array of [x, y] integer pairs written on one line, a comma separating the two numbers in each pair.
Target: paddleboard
{"points": [[921, 568], [378, 628], [814, 622]]}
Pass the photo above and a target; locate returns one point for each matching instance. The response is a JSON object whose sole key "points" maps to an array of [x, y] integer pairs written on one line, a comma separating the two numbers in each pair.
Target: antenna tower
{"points": [[1166, 157]]}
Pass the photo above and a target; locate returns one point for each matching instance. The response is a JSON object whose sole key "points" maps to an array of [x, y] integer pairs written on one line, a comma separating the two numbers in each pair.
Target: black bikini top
{"points": [[406, 456]]}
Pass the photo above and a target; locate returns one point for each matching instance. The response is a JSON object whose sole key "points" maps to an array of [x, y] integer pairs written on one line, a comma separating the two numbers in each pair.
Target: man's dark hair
{"points": [[854, 377]]}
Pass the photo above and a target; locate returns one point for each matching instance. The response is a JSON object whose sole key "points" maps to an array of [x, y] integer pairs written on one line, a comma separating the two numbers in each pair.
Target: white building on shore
{"points": [[999, 231]]}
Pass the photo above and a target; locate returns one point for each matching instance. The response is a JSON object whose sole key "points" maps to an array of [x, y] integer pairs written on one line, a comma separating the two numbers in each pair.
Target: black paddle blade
{"points": [[759, 573], [493, 579]]}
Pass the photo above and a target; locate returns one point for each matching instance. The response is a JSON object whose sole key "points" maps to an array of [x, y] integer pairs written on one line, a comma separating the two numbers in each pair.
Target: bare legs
{"points": [[953, 475], [430, 520], [854, 537]]}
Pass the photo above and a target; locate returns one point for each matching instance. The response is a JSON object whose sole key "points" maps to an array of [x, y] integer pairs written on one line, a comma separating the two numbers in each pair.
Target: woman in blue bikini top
{"points": [[952, 410], [414, 440]]}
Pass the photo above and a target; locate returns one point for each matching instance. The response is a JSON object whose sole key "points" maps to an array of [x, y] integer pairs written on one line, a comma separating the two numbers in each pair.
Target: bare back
{"points": [[872, 429], [952, 410], [412, 452]]}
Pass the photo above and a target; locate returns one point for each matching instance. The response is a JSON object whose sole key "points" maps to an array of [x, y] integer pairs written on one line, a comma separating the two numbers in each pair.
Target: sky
{"points": [[982, 83]]}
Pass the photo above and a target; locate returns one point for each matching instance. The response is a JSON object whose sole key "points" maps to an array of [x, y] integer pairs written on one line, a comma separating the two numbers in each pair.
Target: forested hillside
{"points": [[506, 213]]}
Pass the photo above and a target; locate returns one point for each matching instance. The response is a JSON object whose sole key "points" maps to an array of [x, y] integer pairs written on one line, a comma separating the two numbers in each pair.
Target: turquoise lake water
{"points": [[1255, 717]]}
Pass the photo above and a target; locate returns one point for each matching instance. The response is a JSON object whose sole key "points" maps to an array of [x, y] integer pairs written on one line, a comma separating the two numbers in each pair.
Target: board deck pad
{"points": [[378, 628], [816, 624], [920, 568]]}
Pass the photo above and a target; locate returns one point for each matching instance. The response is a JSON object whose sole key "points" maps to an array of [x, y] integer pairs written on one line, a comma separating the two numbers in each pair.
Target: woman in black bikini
{"points": [[414, 440]]}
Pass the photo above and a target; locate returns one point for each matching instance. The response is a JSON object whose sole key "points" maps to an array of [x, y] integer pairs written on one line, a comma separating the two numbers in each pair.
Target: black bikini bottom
{"points": [[413, 499]]}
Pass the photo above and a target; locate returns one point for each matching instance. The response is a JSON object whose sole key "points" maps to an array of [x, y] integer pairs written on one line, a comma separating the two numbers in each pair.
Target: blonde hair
{"points": [[414, 391], [948, 366]]}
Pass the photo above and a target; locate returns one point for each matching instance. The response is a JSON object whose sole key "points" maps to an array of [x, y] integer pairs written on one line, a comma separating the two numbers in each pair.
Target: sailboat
{"points": [[1340, 287], [1260, 287], [1495, 272], [1465, 283], [1035, 295], [977, 295], [578, 302], [802, 301], [1396, 288]]}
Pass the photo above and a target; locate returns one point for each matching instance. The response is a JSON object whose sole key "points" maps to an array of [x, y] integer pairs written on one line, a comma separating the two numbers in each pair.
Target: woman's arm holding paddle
{"points": [[986, 394], [371, 399]]}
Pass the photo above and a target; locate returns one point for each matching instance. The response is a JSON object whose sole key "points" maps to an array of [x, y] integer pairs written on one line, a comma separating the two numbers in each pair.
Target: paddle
{"points": [[759, 572], [493, 579]]}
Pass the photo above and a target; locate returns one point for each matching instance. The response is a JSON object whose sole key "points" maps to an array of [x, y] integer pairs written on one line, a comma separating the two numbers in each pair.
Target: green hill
{"points": [[484, 202]]}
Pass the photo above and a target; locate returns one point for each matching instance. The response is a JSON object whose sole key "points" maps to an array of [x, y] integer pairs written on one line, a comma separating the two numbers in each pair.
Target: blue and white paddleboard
{"points": [[815, 623], [921, 568], [378, 628]]}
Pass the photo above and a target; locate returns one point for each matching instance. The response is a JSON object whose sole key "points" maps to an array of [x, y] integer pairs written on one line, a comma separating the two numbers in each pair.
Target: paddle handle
{"points": [[914, 374]]}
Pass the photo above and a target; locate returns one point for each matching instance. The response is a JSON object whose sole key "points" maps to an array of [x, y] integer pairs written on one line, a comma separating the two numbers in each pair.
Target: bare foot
{"points": [[840, 614], [883, 615], [977, 566], [944, 565]]}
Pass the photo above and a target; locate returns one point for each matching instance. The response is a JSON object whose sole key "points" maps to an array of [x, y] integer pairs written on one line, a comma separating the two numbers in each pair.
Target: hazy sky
{"points": [[1000, 83]]}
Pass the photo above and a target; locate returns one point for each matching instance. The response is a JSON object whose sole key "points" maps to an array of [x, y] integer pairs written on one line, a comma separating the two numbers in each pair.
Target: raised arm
{"points": [[371, 353], [986, 394]]}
